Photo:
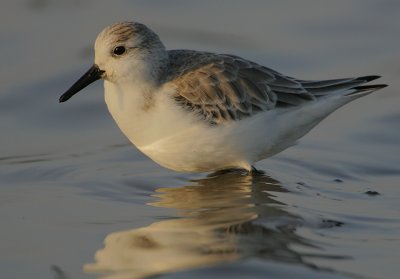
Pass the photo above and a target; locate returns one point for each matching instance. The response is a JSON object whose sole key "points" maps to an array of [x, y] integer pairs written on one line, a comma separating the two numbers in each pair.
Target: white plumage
{"points": [[196, 111]]}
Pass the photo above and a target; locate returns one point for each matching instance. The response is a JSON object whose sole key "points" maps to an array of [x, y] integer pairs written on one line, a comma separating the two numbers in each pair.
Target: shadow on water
{"points": [[222, 218]]}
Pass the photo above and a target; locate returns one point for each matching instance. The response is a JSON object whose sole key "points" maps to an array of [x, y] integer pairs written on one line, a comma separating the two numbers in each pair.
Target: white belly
{"points": [[178, 140], [169, 135], [197, 149]]}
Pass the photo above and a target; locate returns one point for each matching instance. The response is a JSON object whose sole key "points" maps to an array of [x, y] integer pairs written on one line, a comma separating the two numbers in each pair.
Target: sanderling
{"points": [[197, 111]]}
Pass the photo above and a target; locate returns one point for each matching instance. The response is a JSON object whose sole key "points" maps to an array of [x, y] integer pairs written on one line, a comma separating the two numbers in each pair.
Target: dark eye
{"points": [[119, 50]]}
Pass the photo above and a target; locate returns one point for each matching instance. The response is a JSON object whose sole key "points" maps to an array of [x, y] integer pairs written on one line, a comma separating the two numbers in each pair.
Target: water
{"points": [[326, 208]]}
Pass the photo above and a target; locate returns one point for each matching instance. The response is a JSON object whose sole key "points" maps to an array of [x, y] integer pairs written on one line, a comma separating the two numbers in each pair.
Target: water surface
{"points": [[78, 201]]}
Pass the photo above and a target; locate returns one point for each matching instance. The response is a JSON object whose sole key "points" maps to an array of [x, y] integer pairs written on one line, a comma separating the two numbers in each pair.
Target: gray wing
{"points": [[224, 88]]}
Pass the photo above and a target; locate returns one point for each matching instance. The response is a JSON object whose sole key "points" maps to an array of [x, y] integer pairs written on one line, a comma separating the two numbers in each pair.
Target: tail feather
{"points": [[368, 78], [322, 91], [365, 89], [348, 86]]}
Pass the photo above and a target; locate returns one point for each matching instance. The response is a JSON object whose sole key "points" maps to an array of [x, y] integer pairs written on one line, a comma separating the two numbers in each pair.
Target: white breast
{"points": [[168, 134], [177, 139]]}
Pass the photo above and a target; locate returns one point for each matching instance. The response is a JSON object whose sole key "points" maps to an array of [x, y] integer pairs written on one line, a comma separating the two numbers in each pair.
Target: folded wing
{"points": [[225, 88]]}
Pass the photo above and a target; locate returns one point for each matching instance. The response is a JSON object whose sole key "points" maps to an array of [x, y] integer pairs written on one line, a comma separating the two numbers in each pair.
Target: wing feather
{"points": [[225, 88]]}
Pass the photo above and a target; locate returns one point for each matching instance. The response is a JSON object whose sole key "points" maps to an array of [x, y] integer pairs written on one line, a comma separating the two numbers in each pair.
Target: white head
{"points": [[129, 50], [126, 51]]}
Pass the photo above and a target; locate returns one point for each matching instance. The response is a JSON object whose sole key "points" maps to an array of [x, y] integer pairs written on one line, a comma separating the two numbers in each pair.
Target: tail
{"points": [[365, 89], [351, 87]]}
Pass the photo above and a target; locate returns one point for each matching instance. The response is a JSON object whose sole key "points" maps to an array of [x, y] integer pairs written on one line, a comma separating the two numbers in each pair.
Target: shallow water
{"points": [[78, 201]]}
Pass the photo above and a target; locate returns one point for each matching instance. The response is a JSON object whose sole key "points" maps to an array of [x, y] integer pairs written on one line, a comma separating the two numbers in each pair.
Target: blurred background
{"points": [[69, 178]]}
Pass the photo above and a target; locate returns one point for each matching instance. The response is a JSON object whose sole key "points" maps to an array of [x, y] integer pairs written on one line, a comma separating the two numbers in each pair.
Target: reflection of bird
{"points": [[224, 218], [196, 111]]}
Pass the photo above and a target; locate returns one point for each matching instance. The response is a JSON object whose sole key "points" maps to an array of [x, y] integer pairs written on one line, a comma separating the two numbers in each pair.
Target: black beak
{"points": [[90, 76]]}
